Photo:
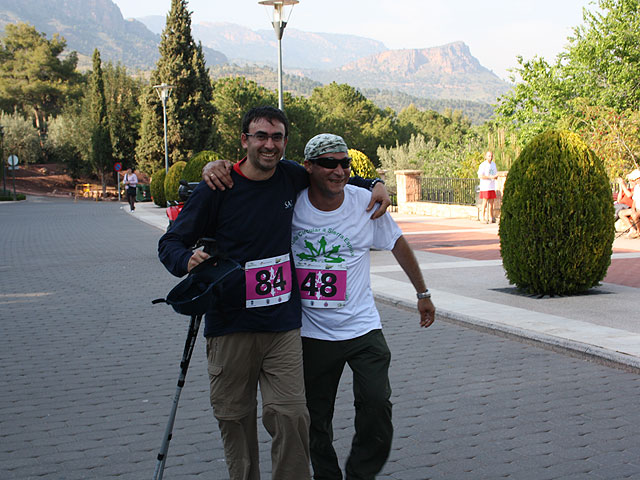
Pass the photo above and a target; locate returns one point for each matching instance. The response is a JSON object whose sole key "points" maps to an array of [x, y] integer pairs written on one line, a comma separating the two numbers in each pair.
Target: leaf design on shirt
{"points": [[329, 258], [332, 256]]}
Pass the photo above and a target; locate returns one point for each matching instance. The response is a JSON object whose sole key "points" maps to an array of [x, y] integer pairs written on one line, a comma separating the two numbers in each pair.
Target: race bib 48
{"points": [[324, 287]]}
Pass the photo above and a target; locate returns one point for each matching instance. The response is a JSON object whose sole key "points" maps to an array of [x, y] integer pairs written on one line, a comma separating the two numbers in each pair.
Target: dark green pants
{"points": [[368, 357]]}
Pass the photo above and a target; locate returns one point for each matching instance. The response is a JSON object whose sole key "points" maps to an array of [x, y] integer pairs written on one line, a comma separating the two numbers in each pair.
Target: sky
{"points": [[496, 31]]}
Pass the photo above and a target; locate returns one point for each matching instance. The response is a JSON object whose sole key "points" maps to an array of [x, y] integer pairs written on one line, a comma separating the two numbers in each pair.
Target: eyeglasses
{"points": [[331, 163], [263, 137]]}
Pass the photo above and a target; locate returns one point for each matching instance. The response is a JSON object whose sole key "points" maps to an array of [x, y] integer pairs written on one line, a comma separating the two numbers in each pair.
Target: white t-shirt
{"points": [[331, 253], [131, 179], [486, 169]]}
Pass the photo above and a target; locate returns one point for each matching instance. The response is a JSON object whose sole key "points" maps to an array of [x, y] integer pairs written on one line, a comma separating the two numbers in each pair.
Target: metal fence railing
{"points": [[454, 191]]}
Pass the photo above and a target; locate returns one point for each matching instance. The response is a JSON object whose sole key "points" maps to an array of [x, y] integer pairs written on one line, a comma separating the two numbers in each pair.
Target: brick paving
{"points": [[476, 242], [89, 369], [624, 272]]}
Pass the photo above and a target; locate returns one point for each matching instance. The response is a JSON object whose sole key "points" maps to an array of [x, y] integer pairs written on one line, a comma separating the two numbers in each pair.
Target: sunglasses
{"points": [[331, 163]]}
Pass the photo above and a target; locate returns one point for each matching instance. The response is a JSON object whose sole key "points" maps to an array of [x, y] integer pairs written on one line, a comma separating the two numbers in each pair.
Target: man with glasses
{"points": [[253, 336], [331, 239]]}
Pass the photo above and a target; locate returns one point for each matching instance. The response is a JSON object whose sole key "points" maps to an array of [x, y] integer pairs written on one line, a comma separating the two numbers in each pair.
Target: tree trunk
{"points": [[41, 126]]}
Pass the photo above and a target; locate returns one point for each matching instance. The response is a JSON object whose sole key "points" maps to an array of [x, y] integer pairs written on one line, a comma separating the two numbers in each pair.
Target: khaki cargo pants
{"points": [[237, 364]]}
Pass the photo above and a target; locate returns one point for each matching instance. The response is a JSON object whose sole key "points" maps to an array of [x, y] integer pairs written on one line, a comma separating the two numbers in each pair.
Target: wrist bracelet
{"points": [[425, 294]]}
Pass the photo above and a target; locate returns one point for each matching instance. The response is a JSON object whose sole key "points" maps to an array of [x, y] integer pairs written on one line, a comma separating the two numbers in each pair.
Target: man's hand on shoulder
{"points": [[217, 174], [379, 195]]}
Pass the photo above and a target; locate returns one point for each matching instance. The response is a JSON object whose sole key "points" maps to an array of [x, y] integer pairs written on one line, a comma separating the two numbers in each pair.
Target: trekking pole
{"points": [[194, 326]]}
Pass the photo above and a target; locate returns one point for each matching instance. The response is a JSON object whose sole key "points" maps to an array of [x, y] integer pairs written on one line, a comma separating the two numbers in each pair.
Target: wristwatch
{"points": [[425, 294], [375, 181]]}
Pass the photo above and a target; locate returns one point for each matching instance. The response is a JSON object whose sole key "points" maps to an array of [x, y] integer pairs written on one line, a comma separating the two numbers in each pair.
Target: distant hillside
{"points": [[90, 24], [445, 72], [267, 77], [300, 49], [448, 71], [478, 112]]}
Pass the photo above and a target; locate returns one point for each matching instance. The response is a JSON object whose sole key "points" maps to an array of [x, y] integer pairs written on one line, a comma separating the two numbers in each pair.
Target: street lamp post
{"points": [[164, 91], [279, 22]]}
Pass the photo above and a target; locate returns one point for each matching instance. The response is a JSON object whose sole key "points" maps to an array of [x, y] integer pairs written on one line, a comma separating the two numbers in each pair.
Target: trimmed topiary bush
{"points": [[172, 182], [556, 220], [156, 187], [193, 170], [361, 165]]}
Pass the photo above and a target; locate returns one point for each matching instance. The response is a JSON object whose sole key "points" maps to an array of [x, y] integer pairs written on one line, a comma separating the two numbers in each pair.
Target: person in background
{"points": [[487, 173], [623, 206], [634, 216], [131, 183]]}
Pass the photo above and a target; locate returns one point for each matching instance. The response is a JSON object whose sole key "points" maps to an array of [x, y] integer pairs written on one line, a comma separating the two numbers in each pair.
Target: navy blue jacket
{"points": [[251, 221]]}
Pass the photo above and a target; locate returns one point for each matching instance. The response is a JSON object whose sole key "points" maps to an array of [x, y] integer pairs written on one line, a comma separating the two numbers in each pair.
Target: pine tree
{"points": [[34, 78], [101, 155], [122, 93], [190, 127]]}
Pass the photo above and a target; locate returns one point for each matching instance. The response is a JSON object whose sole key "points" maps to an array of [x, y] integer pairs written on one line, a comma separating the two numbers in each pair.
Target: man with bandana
{"points": [[331, 239]]}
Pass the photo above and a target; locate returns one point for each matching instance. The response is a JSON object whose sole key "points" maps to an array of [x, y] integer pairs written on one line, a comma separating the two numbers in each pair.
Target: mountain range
{"points": [[442, 72], [90, 24]]}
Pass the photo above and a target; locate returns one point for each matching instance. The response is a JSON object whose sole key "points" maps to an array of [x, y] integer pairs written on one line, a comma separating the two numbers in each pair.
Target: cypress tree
{"points": [[123, 108], [556, 220], [189, 109], [101, 154]]}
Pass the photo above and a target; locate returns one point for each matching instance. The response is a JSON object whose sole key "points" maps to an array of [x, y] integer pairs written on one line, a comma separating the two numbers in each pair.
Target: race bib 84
{"points": [[268, 281]]}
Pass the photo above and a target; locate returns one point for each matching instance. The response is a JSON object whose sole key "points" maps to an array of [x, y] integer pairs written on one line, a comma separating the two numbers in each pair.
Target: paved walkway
{"points": [[461, 262], [88, 369]]}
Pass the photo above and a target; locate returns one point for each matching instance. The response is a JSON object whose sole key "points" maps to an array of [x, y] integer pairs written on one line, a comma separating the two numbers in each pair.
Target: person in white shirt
{"points": [[331, 238], [487, 173], [131, 183]]}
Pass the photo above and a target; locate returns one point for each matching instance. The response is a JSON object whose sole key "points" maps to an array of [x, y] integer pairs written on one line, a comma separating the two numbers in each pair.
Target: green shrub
{"points": [[21, 138], [7, 196], [172, 182], [156, 187], [556, 221], [193, 170], [361, 165]]}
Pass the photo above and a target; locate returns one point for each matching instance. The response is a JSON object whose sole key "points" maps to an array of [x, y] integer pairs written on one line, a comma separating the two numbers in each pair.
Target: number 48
{"points": [[326, 285]]}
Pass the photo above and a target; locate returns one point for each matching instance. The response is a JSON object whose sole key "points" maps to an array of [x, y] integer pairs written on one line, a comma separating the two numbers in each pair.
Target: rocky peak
{"points": [[452, 58]]}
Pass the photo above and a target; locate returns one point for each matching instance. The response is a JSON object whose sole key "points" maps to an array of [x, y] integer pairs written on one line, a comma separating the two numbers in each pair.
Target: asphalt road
{"points": [[89, 369]]}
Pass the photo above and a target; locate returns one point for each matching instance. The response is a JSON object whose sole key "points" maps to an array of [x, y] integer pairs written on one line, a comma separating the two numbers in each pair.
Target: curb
{"points": [[562, 345]]}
